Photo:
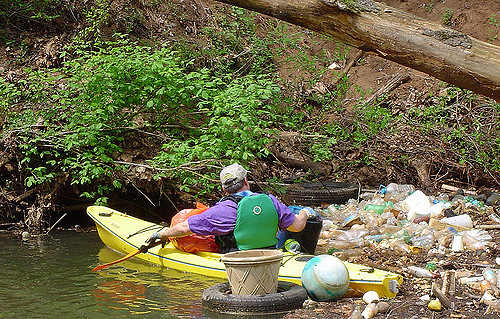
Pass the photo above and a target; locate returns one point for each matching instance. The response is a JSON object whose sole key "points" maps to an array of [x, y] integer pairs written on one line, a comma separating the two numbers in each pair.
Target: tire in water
{"points": [[314, 194], [218, 298]]}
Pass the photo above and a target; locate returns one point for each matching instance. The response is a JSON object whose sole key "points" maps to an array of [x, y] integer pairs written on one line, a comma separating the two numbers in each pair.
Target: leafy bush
{"points": [[81, 127]]}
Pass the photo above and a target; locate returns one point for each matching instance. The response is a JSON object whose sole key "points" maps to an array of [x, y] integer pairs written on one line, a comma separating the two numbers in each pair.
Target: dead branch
{"points": [[389, 86]]}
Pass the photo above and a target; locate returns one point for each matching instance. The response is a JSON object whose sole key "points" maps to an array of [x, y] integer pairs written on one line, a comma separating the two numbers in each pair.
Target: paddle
{"points": [[142, 249]]}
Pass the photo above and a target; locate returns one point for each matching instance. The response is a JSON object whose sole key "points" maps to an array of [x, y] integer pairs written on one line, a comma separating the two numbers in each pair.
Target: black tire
{"points": [[314, 194], [218, 298]]}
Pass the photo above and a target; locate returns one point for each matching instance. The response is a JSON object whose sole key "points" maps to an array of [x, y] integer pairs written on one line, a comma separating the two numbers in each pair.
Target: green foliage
{"points": [[10, 95], [96, 18], [19, 15], [447, 17], [81, 128], [35, 10], [493, 29], [470, 131], [208, 106], [430, 6], [236, 129], [233, 45]]}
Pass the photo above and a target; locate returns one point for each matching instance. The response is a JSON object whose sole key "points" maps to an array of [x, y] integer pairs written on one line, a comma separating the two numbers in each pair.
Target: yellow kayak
{"points": [[125, 234]]}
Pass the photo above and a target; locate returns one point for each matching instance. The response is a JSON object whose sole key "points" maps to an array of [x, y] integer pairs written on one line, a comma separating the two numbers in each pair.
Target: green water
{"points": [[51, 277]]}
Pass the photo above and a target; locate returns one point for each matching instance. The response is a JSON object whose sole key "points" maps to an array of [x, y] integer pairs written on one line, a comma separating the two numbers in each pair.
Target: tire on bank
{"points": [[314, 194], [218, 298]]}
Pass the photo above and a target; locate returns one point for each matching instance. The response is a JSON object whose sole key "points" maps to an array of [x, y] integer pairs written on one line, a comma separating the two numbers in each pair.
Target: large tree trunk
{"points": [[444, 53]]}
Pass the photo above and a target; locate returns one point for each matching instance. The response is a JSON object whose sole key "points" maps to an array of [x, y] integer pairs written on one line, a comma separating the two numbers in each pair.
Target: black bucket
{"points": [[307, 238]]}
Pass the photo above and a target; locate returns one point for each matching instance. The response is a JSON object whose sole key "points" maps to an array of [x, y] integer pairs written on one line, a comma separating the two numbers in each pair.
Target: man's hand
{"points": [[311, 213], [153, 239]]}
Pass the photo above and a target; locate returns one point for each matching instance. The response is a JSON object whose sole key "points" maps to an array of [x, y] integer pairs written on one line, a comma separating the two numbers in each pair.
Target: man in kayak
{"points": [[243, 219]]}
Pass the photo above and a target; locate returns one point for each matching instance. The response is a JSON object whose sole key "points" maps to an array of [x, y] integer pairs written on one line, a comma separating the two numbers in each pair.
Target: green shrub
{"points": [[109, 94]]}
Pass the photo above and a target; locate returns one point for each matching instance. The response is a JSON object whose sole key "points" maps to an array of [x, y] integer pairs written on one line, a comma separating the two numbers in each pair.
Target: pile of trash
{"points": [[405, 221]]}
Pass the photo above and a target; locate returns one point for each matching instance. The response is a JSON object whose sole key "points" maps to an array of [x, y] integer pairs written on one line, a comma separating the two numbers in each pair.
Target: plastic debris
{"points": [[406, 221], [434, 305], [370, 311], [371, 296]]}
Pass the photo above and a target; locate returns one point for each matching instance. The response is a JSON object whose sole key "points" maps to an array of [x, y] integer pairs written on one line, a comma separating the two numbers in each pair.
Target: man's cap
{"points": [[232, 174]]}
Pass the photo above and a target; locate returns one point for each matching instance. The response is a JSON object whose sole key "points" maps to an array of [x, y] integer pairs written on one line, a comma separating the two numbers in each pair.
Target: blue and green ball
{"points": [[325, 278]]}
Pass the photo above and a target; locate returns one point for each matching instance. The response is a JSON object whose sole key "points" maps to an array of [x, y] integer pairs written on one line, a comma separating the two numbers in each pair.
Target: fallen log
{"points": [[395, 35]]}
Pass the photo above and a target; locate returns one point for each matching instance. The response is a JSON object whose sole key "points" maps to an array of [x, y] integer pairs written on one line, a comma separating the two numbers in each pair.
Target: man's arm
{"points": [[300, 221], [179, 230]]}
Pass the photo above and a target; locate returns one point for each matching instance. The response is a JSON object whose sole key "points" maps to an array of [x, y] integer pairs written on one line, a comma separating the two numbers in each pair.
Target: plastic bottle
{"points": [[399, 245], [443, 197], [467, 280], [350, 238], [420, 272], [457, 243], [367, 196], [292, 245], [353, 235], [491, 276], [389, 228], [425, 241], [377, 238], [398, 192], [335, 214], [388, 218], [379, 209], [437, 209], [356, 313], [370, 219]]}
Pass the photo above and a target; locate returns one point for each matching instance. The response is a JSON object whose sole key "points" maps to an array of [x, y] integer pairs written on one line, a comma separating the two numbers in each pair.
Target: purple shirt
{"points": [[220, 219]]}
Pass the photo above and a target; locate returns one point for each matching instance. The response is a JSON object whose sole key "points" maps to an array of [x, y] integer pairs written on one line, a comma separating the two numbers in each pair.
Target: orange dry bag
{"points": [[193, 242]]}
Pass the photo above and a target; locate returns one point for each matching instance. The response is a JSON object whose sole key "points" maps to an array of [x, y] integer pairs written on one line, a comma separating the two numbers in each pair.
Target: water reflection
{"points": [[51, 277], [145, 288]]}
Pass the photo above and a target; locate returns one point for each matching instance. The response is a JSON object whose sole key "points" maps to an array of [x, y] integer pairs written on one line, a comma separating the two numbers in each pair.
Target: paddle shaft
{"points": [[142, 249]]}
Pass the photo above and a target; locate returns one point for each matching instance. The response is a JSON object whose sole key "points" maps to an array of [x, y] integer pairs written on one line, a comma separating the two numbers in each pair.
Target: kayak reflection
{"points": [[142, 288]]}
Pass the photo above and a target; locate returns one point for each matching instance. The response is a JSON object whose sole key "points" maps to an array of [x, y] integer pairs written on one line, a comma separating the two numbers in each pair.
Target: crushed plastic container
{"points": [[475, 241], [354, 236], [425, 241], [457, 243], [398, 244], [418, 205], [463, 220], [437, 209]]}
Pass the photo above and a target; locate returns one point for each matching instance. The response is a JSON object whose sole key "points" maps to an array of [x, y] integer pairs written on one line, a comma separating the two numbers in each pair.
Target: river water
{"points": [[51, 277]]}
